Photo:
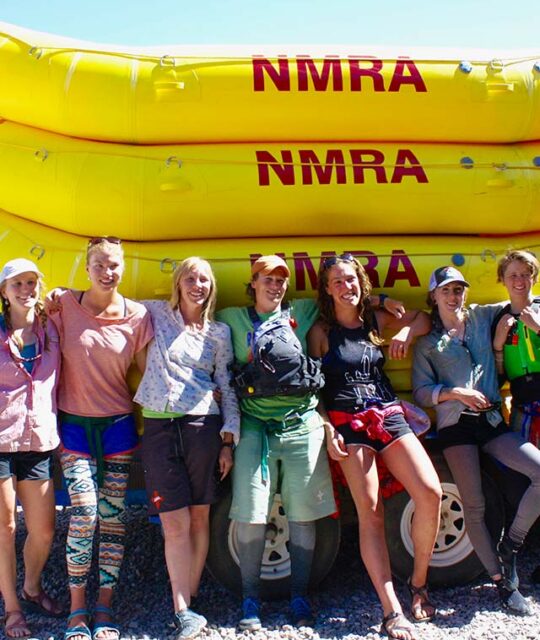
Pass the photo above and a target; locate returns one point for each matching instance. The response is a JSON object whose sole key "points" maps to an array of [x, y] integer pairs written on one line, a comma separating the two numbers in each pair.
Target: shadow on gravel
{"points": [[345, 602]]}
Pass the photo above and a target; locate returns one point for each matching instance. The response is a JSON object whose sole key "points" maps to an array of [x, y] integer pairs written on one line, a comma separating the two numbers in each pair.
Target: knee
{"points": [[431, 495], [199, 521], [370, 513], [177, 528], [8, 528]]}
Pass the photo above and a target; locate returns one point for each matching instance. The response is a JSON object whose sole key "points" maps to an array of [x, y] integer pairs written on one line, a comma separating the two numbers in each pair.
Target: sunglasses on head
{"points": [[99, 239], [333, 260]]}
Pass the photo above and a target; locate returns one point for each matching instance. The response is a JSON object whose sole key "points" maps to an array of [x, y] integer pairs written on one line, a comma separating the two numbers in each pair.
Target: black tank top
{"points": [[353, 372]]}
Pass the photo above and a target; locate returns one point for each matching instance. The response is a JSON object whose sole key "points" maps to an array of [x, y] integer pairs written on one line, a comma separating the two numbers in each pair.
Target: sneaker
{"points": [[512, 600], [251, 615], [507, 551], [189, 624], [301, 614]]}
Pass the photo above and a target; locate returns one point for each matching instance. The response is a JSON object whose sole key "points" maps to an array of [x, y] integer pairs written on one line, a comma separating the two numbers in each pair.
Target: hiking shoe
{"points": [[301, 614], [507, 551], [189, 624], [512, 600], [251, 615]]}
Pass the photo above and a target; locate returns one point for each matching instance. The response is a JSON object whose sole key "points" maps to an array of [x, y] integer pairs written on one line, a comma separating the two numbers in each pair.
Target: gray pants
{"points": [[514, 452]]}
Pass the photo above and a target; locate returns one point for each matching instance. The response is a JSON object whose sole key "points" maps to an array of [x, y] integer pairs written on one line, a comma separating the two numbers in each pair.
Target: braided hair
{"points": [[39, 310]]}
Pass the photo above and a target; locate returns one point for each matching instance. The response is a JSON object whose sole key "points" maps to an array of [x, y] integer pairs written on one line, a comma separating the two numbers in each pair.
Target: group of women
{"points": [[267, 391]]}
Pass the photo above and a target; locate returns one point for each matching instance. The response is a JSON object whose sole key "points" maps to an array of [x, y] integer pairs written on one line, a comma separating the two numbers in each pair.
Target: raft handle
{"points": [[536, 66], [41, 154], [174, 160], [488, 253], [167, 61], [466, 162], [496, 65], [465, 66], [167, 265], [35, 52], [536, 161], [37, 251], [500, 166]]}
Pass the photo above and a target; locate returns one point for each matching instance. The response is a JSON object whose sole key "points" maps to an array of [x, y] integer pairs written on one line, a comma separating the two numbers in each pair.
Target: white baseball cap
{"points": [[16, 267]]}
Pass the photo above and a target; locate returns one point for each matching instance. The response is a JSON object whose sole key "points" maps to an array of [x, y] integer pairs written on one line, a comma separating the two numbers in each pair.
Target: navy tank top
{"points": [[353, 372]]}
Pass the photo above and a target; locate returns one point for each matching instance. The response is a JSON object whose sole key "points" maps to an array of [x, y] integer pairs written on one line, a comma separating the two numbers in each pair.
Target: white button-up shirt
{"points": [[183, 368]]}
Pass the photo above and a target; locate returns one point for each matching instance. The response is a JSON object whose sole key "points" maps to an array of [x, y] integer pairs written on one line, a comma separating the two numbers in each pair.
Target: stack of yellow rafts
{"points": [[407, 161]]}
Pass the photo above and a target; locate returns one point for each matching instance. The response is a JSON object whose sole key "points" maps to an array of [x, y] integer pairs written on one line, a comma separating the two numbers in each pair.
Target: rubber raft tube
{"points": [[175, 94], [250, 190], [400, 266]]}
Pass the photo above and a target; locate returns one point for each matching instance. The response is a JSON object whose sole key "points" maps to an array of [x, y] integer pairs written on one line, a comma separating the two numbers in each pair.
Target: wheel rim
{"points": [[453, 544], [276, 562]]}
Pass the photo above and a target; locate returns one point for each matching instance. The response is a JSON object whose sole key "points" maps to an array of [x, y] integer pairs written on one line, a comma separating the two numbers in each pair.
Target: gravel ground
{"points": [[345, 602]]}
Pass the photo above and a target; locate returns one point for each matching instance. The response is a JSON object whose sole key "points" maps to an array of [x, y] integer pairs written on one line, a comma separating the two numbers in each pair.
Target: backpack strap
{"points": [[256, 320]]}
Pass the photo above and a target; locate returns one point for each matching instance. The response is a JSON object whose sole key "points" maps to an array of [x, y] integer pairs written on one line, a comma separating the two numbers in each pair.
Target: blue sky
{"points": [[493, 24]]}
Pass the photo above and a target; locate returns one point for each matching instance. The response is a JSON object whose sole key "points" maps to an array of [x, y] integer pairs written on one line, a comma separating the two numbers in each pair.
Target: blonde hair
{"points": [[526, 257], [325, 301], [39, 310], [113, 246], [187, 265]]}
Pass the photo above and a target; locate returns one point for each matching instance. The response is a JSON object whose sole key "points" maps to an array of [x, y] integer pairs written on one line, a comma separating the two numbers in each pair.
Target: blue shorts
{"points": [[90, 436]]}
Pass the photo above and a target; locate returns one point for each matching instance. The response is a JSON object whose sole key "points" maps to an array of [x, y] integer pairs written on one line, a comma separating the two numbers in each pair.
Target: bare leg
{"points": [[361, 473], [200, 539], [37, 499], [8, 578], [176, 529], [408, 461]]}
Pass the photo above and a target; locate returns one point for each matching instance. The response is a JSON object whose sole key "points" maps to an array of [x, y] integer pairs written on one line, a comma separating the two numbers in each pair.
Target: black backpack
{"points": [[279, 365]]}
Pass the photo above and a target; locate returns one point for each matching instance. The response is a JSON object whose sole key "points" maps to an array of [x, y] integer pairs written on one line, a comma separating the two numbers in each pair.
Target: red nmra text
{"points": [[333, 73], [340, 166], [305, 268]]}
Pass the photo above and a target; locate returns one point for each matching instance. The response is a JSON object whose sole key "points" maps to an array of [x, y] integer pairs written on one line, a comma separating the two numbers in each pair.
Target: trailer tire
{"points": [[454, 561], [223, 563]]}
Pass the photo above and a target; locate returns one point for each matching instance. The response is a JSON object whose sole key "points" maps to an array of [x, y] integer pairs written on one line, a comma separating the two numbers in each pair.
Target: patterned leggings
{"points": [[90, 502]]}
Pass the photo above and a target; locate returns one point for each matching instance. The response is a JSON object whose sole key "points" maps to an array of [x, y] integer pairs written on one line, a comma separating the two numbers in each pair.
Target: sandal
{"points": [[42, 604], [81, 630], [99, 627], [424, 603], [396, 623], [18, 624]]}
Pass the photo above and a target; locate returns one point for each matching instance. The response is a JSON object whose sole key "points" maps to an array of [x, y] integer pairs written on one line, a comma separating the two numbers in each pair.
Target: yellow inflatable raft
{"points": [[399, 266], [250, 190], [187, 95]]}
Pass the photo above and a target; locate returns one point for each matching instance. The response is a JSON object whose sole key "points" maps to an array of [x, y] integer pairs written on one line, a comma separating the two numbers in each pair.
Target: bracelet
{"points": [[382, 298], [498, 350], [227, 444]]}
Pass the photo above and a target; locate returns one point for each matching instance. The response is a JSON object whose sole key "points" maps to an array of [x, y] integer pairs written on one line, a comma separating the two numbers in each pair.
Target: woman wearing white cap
{"points": [[454, 371], [29, 361]]}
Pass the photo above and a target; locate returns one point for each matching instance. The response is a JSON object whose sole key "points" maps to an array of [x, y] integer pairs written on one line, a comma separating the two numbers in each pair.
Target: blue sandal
{"points": [[81, 629], [104, 626]]}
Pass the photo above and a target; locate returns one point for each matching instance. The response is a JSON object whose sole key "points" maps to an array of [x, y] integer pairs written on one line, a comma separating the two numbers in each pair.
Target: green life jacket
{"points": [[521, 351]]}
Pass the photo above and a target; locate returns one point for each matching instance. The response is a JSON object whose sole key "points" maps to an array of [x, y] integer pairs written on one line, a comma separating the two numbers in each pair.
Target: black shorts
{"points": [[179, 458], [27, 465], [470, 429], [396, 426]]}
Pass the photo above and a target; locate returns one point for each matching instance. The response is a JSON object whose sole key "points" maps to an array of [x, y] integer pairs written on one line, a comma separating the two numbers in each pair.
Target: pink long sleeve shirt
{"points": [[28, 400]]}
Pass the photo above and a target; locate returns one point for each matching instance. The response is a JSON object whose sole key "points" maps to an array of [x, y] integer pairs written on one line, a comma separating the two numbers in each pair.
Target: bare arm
{"points": [[412, 324], [318, 347]]}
